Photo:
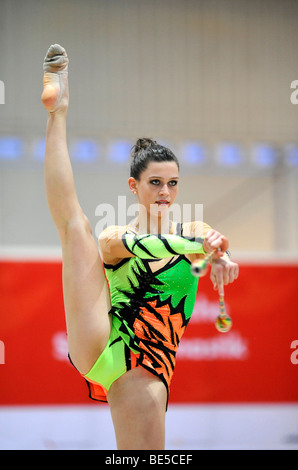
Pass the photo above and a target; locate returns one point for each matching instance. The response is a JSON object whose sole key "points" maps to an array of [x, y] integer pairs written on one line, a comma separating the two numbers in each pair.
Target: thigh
{"points": [[86, 295], [138, 405]]}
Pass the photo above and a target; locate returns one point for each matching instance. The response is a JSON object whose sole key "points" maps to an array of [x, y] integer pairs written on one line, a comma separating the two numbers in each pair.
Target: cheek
{"points": [[150, 192], [147, 195], [174, 191]]}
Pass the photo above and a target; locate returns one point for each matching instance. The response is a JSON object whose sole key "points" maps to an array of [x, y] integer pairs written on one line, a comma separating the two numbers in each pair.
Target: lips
{"points": [[162, 202]]}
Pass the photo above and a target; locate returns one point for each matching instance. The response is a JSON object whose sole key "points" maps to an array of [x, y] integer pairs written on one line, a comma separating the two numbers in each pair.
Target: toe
{"points": [[56, 59]]}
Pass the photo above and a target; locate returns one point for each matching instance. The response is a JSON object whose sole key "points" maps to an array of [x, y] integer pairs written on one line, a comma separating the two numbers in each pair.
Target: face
{"points": [[157, 188]]}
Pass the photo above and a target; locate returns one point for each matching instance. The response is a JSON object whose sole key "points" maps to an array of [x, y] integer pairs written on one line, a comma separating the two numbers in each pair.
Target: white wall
{"points": [[175, 70]]}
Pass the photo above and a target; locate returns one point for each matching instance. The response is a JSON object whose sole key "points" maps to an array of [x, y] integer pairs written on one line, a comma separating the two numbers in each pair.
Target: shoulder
{"points": [[109, 236], [112, 232], [111, 244]]}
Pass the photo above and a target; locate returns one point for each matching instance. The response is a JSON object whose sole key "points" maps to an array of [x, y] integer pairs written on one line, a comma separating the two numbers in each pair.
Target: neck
{"points": [[152, 224]]}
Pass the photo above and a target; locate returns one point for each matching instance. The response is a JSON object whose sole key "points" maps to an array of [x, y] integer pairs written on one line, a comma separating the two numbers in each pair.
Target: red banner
{"points": [[255, 362]]}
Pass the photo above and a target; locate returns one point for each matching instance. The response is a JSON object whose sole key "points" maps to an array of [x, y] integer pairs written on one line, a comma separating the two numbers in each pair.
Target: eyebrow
{"points": [[160, 177]]}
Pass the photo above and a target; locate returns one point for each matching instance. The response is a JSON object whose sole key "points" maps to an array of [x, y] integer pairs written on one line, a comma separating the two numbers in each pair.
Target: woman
{"points": [[126, 351]]}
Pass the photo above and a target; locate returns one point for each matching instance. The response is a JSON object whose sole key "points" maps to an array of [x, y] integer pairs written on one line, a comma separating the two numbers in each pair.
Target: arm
{"points": [[167, 245], [116, 243], [161, 246]]}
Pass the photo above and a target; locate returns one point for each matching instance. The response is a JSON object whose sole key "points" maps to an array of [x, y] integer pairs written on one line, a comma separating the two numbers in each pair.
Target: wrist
{"points": [[205, 248], [226, 256]]}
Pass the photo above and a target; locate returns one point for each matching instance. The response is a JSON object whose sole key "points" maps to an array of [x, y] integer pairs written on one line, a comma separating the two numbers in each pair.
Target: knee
{"points": [[140, 392]]}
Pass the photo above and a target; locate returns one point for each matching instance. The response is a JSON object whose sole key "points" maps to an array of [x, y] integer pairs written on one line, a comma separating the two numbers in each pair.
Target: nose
{"points": [[164, 190]]}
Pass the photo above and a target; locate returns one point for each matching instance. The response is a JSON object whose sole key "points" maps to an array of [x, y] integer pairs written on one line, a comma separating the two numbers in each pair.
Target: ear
{"points": [[132, 185]]}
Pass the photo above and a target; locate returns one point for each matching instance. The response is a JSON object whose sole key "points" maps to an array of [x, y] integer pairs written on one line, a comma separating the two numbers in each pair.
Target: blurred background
{"points": [[214, 80]]}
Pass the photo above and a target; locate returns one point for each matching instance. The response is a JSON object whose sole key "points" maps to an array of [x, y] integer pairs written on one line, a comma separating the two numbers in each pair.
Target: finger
{"points": [[219, 283], [218, 253], [220, 243], [220, 286], [236, 271], [231, 277], [233, 273], [209, 234], [213, 280], [224, 244], [228, 276], [214, 239], [206, 243]]}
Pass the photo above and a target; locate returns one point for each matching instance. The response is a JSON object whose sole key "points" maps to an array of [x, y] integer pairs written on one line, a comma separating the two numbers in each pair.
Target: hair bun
{"points": [[142, 144], [147, 150]]}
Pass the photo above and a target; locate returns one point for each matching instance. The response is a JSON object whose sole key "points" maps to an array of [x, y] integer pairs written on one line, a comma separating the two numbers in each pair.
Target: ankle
{"points": [[58, 114]]}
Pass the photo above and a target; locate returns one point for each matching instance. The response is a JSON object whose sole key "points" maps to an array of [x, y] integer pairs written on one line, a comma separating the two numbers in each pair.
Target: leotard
{"points": [[150, 308]]}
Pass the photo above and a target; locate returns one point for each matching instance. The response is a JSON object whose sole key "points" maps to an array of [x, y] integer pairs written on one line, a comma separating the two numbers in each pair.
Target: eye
{"points": [[173, 183], [154, 182]]}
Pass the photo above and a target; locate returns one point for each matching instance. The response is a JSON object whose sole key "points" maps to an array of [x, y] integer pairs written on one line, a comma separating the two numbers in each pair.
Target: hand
{"points": [[223, 272], [215, 241]]}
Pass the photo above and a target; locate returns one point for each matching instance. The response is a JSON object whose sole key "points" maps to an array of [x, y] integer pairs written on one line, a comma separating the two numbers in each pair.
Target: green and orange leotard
{"points": [[150, 308]]}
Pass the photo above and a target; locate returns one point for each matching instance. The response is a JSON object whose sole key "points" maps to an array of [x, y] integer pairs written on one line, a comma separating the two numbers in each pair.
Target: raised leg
{"points": [[86, 295]]}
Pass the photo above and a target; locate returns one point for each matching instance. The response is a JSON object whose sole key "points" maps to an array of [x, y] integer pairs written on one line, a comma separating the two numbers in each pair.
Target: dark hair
{"points": [[145, 151]]}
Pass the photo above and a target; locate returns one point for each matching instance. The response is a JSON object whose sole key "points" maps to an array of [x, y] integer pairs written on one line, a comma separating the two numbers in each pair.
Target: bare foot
{"points": [[55, 79]]}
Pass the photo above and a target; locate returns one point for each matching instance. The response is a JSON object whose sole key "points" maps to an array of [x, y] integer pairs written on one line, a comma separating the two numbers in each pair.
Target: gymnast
{"points": [[127, 301]]}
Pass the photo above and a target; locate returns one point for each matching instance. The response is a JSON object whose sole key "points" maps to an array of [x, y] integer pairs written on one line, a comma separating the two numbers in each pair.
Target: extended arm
{"points": [[116, 243], [161, 246]]}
